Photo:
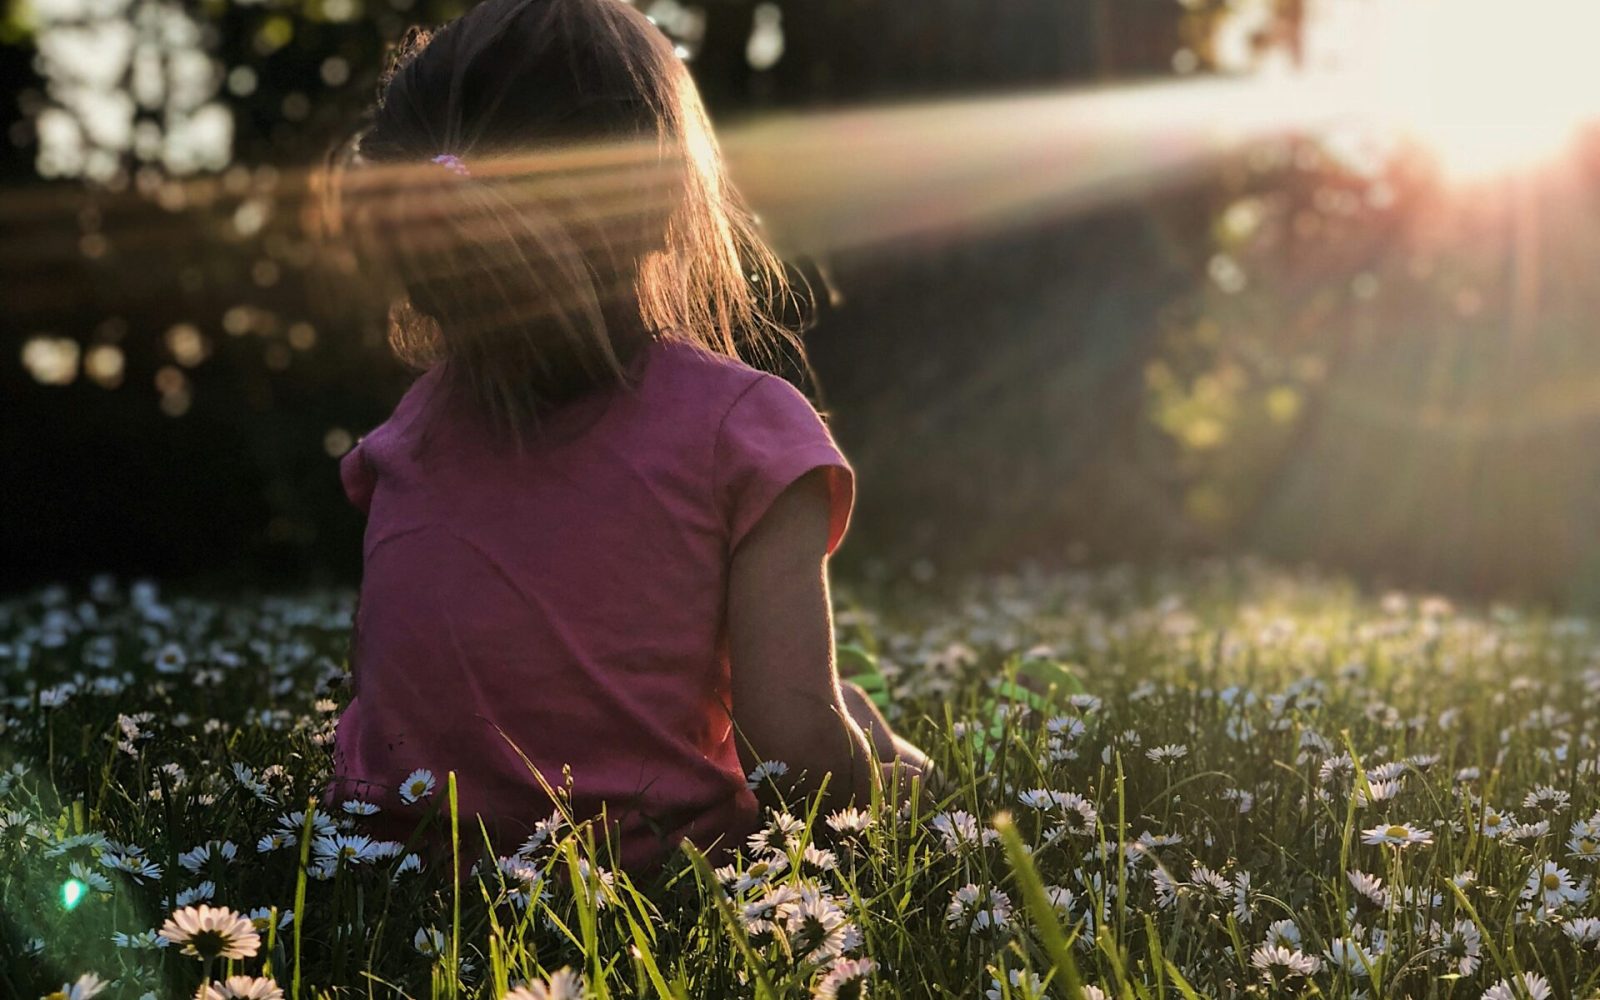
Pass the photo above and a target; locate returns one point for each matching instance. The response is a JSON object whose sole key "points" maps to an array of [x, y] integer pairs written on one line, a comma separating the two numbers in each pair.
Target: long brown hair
{"points": [[538, 191]]}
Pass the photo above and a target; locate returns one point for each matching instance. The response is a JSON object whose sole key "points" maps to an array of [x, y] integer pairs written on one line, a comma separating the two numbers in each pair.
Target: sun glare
{"points": [[1490, 87]]}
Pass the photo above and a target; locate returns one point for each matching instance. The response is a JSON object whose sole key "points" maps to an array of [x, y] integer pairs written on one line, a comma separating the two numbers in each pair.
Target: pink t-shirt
{"points": [[570, 600]]}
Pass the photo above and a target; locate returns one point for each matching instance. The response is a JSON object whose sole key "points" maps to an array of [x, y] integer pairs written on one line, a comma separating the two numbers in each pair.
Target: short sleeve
{"points": [[356, 476], [769, 439]]}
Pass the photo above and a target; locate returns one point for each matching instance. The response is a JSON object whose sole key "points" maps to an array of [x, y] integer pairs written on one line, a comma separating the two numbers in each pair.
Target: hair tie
{"points": [[452, 163]]}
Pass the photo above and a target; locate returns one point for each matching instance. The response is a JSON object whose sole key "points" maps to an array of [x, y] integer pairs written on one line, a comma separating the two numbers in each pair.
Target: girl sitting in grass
{"points": [[597, 542]]}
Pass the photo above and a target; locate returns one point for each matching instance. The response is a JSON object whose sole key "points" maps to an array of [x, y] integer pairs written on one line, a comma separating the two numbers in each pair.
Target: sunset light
{"points": [[800, 499], [1487, 87]]}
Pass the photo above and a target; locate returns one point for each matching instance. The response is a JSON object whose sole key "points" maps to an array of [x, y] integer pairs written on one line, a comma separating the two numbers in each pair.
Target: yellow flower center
{"points": [[1493, 819], [1399, 833], [1552, 881]]}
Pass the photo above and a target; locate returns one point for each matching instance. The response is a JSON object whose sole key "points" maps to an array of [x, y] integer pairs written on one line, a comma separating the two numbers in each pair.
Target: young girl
{"points": [[597, 542]]}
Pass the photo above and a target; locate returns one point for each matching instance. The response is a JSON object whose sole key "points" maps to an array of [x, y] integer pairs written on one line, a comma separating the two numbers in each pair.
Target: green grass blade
{"points": [[1053, 936]]}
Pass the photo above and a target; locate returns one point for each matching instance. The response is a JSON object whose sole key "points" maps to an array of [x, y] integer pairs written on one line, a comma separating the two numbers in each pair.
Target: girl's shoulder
{"points": [[413, 402], [709, 379], [695, 361], [402, 425], [727, 392]]}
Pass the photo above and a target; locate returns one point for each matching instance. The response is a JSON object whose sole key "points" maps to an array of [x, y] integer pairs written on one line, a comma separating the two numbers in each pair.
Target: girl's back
{"points": [[563, 606], [596, 540]]}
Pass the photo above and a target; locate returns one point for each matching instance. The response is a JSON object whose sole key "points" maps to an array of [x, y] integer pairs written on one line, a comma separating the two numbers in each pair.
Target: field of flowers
{"points": [[1276, 786]]}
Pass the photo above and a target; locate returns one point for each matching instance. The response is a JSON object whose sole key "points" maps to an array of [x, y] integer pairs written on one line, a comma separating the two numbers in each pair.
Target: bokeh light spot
{"points": [[302, 336], [51, 360], [104, 365], [1227, 274], [242, 81], [173, 385], [337, 441], [187, 345], [335, 71], [764, 50]]}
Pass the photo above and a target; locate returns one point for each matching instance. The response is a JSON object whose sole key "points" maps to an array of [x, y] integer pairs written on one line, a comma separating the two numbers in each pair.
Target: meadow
{"points": [[1270, 785]]}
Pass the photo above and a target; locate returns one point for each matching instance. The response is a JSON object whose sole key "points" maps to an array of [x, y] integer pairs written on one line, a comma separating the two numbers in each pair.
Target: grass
{"points": [[1195, 826]]}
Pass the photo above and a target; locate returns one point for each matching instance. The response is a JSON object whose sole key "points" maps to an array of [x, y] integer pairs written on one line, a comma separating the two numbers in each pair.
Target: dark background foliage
{"points": [[1068, 388]]}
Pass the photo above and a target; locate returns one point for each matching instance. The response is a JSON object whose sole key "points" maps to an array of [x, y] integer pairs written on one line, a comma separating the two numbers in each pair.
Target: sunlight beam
{"points": [[846, 179], [862, 177]]}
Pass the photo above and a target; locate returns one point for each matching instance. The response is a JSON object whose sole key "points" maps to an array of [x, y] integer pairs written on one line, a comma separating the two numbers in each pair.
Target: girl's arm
{"points": [[787, 701]]}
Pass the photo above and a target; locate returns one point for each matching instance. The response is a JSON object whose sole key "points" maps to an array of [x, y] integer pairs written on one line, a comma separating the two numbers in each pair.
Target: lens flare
{"points": [[72, 893]]}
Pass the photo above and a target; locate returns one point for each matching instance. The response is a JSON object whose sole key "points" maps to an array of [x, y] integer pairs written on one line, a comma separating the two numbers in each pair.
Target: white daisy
{"points": [[849, 820], [1582, 931], [85, 987], [1463, 945], [845, 979], [1551, 886], [428, 941], [1397, 835], [196, 894], [598, 883], [1350, 957], [817, 927], [1384, 773], [1378, 791], [1547, 799], [89, 877], [223, 851], [1169, 753], [765, 771], [780, 833], [419, 784], [1584, 848], [244, 988], [758, 873], [961, 831], [148, 940], [818, 859], [1166, 887], [1533, 987], [212, 932], [978, 909], [1497, 823], [1020, 984], [1284, 934], [170, 659], [1278, 963], [759, 915], [261, 918], [132, 864], [563, 984], [350, 848], [1242, 905], [1529, 831]]}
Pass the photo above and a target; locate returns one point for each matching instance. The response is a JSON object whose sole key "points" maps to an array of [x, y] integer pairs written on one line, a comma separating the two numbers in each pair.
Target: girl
{"points": [[597, 541]]}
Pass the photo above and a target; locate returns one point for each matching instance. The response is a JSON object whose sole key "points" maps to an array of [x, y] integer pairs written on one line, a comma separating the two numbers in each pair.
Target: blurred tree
{"points": [[1224, 365], [229, 342]]}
